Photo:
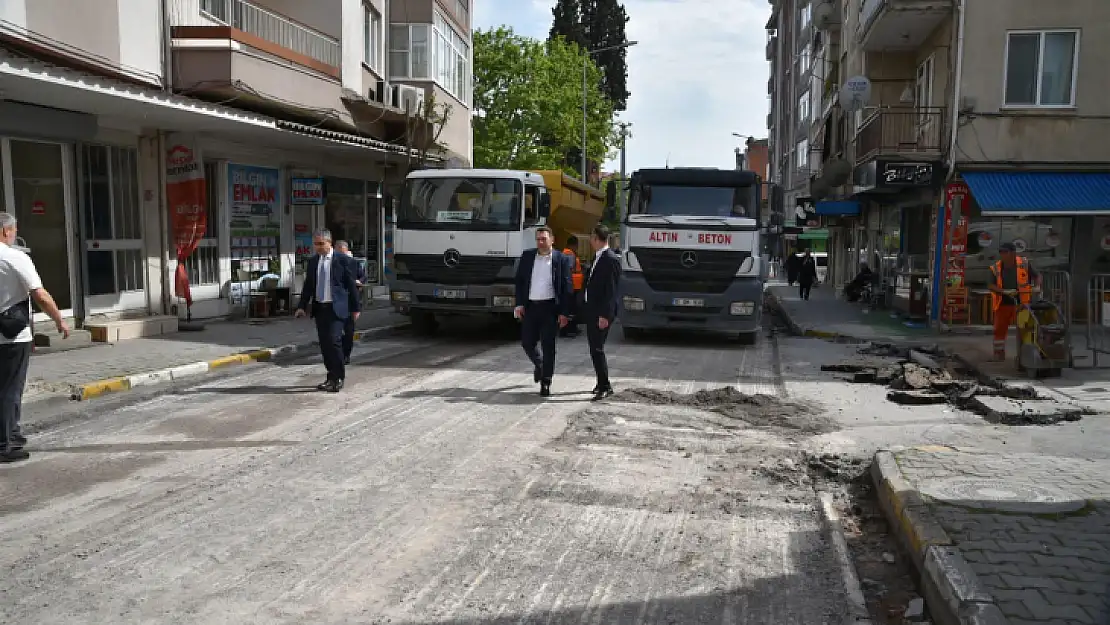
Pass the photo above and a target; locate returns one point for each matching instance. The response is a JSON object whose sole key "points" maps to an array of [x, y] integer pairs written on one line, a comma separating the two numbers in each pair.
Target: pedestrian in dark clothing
{"points": [[349, 325], [330, 296], [807, 275], [793, 268]]}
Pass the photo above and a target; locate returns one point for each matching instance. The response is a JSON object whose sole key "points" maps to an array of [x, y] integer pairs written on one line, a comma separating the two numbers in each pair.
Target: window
{"points": [[923, 91], [452, 60], [806, 60], [1040, 68], [462, 12], [372, 38], [803, 108], [203, 265], [804, 15], [408, 51], [113, 219], [802, 154]]}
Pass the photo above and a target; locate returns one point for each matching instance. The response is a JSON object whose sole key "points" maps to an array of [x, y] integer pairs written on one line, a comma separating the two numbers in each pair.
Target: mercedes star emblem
{"points": [[689, 259], [451, 258]]}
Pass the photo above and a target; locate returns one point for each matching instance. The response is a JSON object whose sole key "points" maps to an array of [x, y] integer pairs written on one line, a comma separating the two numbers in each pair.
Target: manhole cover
{"points": [[988, 494]]}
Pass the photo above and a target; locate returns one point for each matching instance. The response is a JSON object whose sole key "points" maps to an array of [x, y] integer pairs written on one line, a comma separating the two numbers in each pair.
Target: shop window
{"points": [[113, 220], [203, 265]]}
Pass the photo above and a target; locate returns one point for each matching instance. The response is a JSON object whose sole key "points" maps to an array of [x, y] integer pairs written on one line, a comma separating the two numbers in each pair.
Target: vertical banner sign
{"points": [[956, 223], [186, 196]]}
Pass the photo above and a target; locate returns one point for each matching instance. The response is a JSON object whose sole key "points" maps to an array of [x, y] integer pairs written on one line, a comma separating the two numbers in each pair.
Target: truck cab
{"points": [[690, 244]]}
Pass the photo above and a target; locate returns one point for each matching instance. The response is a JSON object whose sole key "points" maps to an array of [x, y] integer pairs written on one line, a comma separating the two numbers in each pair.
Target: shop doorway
{"points": [[37, 191], [306, 220]]}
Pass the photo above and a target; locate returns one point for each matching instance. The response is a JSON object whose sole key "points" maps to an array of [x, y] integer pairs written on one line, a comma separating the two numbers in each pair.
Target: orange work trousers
{"points": [[1004, 317]]}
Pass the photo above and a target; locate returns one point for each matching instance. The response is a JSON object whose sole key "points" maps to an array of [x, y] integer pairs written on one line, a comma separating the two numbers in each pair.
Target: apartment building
{"points": [[300, 115], [984, 123]]}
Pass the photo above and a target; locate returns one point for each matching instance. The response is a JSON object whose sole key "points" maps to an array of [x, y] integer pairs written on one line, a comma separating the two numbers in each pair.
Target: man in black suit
{"points": [[330, 286], [544, 288], [349, 325], [600, 306]]}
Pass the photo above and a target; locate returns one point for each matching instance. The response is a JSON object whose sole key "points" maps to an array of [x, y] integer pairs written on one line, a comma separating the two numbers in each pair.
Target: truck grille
{"points": [[713, 271], [470, 270]]}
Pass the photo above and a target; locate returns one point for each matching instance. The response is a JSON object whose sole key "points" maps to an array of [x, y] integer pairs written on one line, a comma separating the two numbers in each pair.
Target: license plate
{"points": [[692, 303], [450, 293]]}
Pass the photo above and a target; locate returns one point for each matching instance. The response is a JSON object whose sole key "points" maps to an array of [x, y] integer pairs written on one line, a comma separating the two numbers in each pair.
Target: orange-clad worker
{"points": [[1013, 280], [579, 279]]}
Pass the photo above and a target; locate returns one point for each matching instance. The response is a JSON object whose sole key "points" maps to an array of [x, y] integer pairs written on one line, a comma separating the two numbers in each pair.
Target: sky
{"points": [[697, 75]]}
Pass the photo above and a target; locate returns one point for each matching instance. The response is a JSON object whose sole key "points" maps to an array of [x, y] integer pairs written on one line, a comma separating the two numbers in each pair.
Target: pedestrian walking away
{"points": [[19, 284], [1013, 284], [600, 306], [349, 324], [807, 275], [330, 296], [544, 288]]}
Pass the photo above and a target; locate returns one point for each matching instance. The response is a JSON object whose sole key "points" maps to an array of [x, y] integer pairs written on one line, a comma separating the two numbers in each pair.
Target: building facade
{"points": [[977, 124], [288, 109]]}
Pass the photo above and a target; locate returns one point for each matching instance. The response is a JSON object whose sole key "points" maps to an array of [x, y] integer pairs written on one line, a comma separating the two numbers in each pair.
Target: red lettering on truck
{"points": [[715, 238], [663, 237]]}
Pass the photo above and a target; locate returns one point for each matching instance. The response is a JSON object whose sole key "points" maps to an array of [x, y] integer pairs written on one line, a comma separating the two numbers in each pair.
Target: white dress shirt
{"points": [[18, 277], [323, 276], [543, 285], [590, 278]]}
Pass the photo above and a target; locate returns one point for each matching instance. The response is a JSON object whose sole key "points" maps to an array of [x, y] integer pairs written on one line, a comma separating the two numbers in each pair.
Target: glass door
{"points": [[38, 194], [306, 220]]}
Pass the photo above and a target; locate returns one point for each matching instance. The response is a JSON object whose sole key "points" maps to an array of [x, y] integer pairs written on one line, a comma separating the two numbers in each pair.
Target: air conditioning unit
{"points": [[377, 92], [394, 100], [412, 100]]}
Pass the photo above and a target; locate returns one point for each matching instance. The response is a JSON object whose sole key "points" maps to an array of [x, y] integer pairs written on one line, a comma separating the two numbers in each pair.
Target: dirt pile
{"points": [[755, 410]]}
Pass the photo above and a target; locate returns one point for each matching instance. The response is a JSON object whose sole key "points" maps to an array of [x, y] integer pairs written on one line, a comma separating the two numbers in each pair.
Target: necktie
{"points": [[321, 279]]}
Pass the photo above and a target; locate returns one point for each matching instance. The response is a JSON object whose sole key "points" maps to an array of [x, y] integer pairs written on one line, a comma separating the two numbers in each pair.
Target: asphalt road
{"points": [[439, 488]]}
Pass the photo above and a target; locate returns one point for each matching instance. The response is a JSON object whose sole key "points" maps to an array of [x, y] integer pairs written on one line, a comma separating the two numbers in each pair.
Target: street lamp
{"points": [[585, 103]]}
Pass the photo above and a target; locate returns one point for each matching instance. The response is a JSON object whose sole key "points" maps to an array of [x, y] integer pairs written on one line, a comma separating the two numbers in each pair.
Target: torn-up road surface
{"points": [[437, 488]]}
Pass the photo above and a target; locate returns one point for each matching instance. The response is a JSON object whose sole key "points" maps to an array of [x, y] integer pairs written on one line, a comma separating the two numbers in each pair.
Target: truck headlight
{"points": [[401, 296], [630, 262], [741, 308], [504, 301], [633, 304]]}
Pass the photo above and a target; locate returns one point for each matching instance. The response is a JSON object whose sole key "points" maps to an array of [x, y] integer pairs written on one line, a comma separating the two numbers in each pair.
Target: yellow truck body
{"points": [[575, 209]]}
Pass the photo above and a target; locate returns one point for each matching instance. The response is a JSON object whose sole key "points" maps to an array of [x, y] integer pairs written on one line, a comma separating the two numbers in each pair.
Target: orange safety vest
{"points": [[1025, 291], [577, 276]]}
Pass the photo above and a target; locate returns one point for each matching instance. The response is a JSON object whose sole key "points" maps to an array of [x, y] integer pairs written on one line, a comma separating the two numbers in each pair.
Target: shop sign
{"points": [[186, 196], [308, 191], [38, 208], [805, 213], [954, 237], [255, 217], [895, 174]]}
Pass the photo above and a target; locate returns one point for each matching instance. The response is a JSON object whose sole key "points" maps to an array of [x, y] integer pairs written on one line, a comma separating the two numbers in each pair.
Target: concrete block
{"points": [[953, 577], [123, 329]]}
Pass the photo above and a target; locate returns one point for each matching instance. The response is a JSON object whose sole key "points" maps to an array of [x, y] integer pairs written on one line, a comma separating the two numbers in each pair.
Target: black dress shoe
{"points": [[602, 394], [323, 386], [15, 455], [346, 360], [545, 390], [334, 386], [536, 375]]}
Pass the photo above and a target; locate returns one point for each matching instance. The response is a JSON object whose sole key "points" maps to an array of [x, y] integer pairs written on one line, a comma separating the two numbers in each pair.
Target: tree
{"points": [[594, 25], [424, 128], [528, 102]]}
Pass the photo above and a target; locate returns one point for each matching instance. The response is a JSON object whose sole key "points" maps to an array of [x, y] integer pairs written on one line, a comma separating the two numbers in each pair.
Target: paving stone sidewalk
{"points": [[826, 315], [56, 373], [1035, 529]]}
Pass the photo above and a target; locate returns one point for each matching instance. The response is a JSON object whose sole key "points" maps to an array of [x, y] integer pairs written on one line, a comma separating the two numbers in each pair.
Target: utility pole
{"points": [[625, 134]]}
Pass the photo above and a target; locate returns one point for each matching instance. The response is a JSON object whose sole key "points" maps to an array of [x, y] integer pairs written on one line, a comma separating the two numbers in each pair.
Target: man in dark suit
{"points": [[330, 286], [600, 306], [349, 325], [544, 288]]}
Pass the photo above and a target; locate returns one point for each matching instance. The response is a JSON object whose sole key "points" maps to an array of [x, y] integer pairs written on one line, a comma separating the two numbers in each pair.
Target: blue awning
{"points": [[843, 207], [1040, 193]]}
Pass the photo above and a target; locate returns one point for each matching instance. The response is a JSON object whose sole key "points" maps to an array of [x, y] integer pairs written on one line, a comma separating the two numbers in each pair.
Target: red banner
{"points": [[186, 196]]}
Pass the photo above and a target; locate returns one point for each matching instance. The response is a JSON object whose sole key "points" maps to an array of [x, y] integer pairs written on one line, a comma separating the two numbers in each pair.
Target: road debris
{"points": [[754, 410]]}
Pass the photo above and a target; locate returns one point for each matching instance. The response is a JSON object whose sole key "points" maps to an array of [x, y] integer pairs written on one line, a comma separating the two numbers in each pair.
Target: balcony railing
{"points": [[901, 130], [262, 23]]}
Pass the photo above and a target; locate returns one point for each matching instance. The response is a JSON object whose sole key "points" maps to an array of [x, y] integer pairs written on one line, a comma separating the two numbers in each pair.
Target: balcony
{"points": [[891, 25], [771, 85], [772, 45], [901, 131], [241, 49]]}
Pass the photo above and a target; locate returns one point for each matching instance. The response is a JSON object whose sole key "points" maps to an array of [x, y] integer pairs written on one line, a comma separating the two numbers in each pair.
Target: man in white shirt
{"points": [[19, 283], [544, 292]]}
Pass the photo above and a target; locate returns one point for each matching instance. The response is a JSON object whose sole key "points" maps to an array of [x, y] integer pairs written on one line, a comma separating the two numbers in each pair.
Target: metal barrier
{"points": [[1098, 315], [1056, 288]]}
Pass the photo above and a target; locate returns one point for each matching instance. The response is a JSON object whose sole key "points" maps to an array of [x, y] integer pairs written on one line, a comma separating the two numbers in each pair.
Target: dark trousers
{"points": [[596, 338], [14, 359], [804, 289], [329, 330], [348, 337], [540, 326], [575, 316]]}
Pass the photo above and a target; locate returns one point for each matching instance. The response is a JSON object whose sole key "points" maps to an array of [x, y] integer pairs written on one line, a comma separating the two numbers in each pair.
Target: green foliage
{"points": [[528, 102], [594, 25]]}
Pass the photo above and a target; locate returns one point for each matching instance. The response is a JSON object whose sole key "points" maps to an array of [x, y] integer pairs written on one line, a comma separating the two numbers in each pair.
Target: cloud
{"points": [[697, 75]]}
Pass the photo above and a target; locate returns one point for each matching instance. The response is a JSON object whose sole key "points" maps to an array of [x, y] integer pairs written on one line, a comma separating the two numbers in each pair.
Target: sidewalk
{"points": [[827, 316], [1017, 539], [116, 367]]}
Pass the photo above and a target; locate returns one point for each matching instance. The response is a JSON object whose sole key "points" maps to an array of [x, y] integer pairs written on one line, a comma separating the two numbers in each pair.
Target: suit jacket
{"points": [[601, 286], [344, 291], [562, 277]]}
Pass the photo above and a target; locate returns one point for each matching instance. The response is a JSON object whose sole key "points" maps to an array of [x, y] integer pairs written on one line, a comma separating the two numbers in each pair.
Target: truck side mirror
{"points": [[545, 206]]}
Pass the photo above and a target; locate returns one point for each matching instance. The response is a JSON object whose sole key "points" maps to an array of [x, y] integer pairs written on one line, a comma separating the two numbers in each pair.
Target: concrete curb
{"points": [[952, 590], [799, 330], [92, 390], [857, 605]]}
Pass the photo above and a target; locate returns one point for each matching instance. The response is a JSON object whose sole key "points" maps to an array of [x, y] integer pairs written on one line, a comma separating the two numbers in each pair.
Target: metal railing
{"points": [[274, 28], [1098, 315], [901, 130], [1056, 288]]}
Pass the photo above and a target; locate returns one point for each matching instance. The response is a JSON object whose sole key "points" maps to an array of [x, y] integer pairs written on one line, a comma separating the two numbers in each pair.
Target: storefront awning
{"points": [[814, 234], [1040, 193]]}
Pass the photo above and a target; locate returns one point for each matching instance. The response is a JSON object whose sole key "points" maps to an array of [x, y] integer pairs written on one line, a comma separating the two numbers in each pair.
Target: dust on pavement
{"points": [[755, 410]]}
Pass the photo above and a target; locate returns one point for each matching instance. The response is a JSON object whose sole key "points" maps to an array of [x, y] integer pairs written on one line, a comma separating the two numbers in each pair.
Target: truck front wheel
{"points": [[632, 333], [424, 323]]}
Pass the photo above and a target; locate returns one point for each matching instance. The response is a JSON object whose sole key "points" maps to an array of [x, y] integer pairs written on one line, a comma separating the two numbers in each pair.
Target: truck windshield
{"points": [[461, 204], [699, 201]]}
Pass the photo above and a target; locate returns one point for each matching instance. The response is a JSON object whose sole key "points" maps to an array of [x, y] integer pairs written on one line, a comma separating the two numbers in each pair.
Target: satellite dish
{"points": [[837, 172], [855, 94], [823, 16]]}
